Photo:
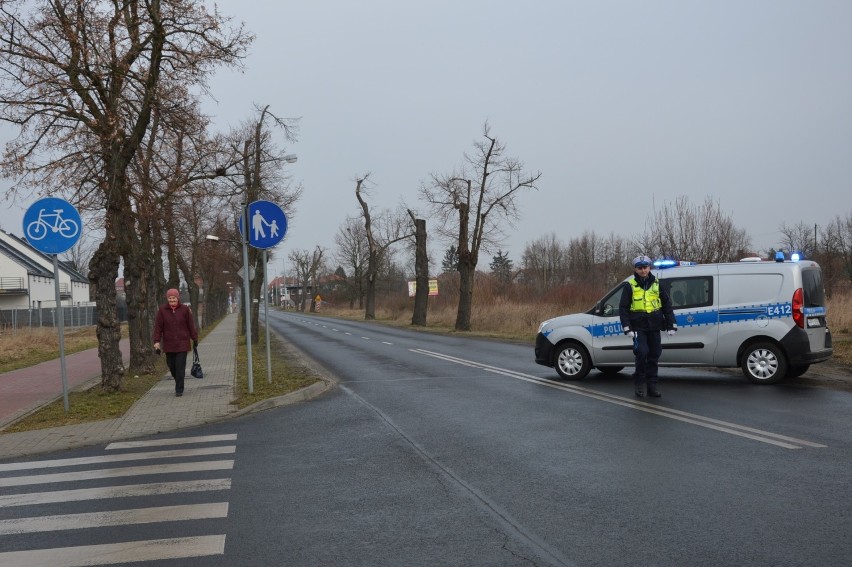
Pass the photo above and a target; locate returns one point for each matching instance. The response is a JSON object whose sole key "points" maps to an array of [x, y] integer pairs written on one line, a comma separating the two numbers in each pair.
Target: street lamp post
{"points": [[247, 287], [246, 293]]}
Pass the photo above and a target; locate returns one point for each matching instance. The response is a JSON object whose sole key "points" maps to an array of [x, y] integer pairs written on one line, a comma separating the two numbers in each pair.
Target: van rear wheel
{"points": [[572, 361], [763, 363]]}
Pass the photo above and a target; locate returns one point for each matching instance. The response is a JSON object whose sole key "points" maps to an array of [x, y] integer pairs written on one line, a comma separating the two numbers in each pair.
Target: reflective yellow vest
{"points": [[646, 301]]}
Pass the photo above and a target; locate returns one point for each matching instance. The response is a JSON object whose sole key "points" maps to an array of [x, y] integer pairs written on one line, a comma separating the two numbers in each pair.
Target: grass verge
{"points": [[289, 373]]}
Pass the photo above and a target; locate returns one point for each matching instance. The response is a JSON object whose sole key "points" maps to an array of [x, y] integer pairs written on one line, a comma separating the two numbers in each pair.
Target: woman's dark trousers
{"points": [[177, 366]]}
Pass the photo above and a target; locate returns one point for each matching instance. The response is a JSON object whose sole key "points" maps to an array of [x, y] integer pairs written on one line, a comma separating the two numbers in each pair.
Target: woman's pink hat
{"points": [[173, 292]]}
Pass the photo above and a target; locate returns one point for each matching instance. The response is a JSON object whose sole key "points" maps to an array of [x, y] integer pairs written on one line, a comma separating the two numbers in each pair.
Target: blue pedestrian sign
{"points": [[267, 224], [52, 225]]}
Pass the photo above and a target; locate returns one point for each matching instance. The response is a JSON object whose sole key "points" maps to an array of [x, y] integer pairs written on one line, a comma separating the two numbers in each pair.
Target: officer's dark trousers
{"points": [[647, 348], [177, 366]]}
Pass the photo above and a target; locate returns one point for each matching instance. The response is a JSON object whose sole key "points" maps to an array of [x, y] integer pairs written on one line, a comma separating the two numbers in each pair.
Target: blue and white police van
{"points": [[768, 318]]}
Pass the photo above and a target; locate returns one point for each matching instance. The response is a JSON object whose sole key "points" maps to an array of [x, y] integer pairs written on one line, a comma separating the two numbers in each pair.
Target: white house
{"points": [[26, 277]]}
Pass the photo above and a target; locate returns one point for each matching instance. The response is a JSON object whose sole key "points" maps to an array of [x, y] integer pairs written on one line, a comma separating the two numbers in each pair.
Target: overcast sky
{"points": [[623, 106]]}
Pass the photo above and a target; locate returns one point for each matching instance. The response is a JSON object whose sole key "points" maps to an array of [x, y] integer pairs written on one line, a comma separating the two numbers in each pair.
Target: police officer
{"points": [[645, 310]]}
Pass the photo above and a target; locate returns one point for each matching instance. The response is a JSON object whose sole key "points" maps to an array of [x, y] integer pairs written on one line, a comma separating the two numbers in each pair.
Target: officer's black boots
{"points": [[640, 391], [653, 392]]}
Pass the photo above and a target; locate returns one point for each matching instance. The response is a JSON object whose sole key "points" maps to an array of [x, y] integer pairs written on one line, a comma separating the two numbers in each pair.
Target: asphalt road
{"points": [[444, 450]]}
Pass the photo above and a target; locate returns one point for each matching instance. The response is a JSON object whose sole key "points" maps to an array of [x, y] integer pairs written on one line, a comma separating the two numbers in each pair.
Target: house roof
{"points": [[32, 252], [32, 267]]}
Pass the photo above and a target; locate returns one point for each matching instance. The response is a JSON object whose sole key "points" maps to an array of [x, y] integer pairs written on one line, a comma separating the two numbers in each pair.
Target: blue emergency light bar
{"points": [[664, 263], [794, 257]]}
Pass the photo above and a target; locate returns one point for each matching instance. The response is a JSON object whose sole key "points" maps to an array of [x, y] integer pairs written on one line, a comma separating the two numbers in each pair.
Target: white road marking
{"points": [[116, 473], [114, 518], [121, 491], [125, 552], [710, 423], [204, 451], [171, 441]]}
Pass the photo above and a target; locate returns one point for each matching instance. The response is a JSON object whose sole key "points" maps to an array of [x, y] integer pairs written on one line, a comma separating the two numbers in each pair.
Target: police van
{"points": [[768, 318]]}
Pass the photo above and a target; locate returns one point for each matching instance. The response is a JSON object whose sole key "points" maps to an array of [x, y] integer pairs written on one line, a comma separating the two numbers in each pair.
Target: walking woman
{"points": [[174, 328]]}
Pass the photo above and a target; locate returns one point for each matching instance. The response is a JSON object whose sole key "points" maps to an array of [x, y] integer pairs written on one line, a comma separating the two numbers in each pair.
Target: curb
{"points": [[316, 389]]}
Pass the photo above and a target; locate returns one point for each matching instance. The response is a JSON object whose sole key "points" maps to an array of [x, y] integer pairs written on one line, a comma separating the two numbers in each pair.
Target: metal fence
{"points": [[29, 318]]}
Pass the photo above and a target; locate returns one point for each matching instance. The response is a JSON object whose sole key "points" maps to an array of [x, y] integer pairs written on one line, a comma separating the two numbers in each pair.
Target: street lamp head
{"points": [[291, 158]]}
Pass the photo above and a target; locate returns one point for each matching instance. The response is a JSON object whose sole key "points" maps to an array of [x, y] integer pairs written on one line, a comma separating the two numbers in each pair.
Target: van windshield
{"points": [[812, 287]]}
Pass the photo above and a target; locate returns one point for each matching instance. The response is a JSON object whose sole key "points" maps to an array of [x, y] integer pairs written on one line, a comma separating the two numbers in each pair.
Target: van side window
{"points": [[812, 287], [609, 305], [688, 293]]}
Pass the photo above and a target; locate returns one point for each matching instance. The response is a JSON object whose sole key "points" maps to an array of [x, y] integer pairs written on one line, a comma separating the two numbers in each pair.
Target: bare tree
{"points": [[834, 252], [476, 215], [301, 260], [353, 252], [315, 274], [545, 262], [381, 233], [700, 233], [261, 175], [80, 79], [171, 188], [81, 253], [800, 238]]}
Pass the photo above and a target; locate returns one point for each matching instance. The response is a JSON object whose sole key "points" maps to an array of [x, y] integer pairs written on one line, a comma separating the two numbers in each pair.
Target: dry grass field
{"points": [[25, 347]]}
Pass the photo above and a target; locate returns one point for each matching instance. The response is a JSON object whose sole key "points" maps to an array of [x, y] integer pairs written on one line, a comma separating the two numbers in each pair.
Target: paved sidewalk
{"points": [[204, 400]]}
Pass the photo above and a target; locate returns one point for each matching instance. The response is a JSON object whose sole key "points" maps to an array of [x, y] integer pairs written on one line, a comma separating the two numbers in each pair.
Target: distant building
{"points": [[26, 277]]}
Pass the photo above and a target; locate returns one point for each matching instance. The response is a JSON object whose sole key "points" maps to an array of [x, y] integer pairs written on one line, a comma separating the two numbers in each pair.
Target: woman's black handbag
{"points": [[196, 365]]}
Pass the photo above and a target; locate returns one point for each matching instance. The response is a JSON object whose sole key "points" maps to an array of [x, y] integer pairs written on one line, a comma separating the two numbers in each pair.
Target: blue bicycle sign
{"points": [[52, 225]]}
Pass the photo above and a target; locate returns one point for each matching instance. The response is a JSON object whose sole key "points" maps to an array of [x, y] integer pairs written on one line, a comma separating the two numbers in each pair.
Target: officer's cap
{"points": [[641, 261]]}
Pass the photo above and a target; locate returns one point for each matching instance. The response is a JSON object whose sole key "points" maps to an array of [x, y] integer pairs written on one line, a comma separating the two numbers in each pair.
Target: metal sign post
{"points": [[52, 226], [247, 300], [266, 319], [268, 227]]}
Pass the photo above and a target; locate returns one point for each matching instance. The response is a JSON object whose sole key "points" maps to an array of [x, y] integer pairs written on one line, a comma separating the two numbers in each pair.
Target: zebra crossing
{"points": [[153, 500]]}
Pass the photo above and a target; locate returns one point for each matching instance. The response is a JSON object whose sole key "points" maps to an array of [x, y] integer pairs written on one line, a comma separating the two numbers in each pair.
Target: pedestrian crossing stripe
{"points": [[176, 453], [170, 441], [109, 492], [114, 518], [124, 552], [116, 473]]}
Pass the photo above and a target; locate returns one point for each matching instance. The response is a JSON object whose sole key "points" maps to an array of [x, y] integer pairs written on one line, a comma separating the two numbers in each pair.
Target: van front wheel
{"points": [[763, 363], [572, 361]]}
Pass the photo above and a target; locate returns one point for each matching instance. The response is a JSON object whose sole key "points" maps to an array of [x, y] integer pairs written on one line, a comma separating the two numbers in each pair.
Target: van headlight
{"points": [[544, 325]]}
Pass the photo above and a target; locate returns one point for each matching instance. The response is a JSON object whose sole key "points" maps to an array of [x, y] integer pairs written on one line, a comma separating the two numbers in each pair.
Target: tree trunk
{"points": [[192, 288], [466, 272], [138, 318], [256, 286], [370, 303], [103, 271], [421, 274]]}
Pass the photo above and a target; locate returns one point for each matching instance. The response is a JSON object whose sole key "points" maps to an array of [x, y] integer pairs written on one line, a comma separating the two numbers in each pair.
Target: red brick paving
{"points": [[28, 388]]}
